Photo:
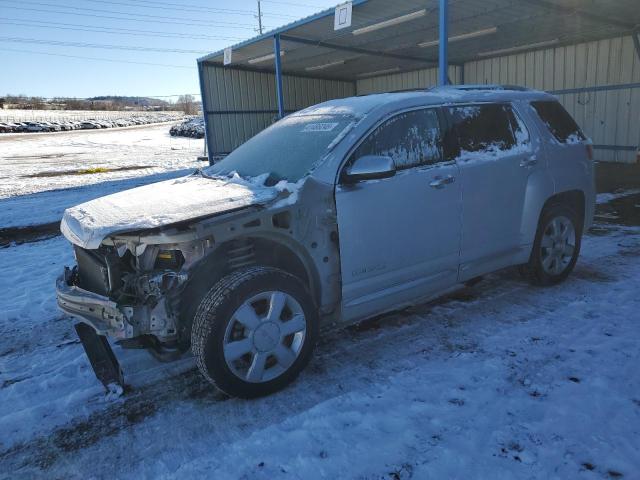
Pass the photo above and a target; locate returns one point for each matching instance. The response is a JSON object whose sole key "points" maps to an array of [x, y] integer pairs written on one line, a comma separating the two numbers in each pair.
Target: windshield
{"points": [[287, 150]]}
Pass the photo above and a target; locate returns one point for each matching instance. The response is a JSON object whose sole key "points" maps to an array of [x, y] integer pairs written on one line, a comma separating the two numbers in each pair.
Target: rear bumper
{"points": [[97, 311]]}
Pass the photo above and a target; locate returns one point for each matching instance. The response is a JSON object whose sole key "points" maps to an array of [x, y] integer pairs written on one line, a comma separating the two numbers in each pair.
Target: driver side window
{"points": [[411, 139]]}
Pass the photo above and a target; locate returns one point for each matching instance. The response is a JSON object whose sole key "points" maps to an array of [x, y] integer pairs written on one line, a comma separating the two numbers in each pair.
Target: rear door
{"points": [[400, 236], [496, 159]]}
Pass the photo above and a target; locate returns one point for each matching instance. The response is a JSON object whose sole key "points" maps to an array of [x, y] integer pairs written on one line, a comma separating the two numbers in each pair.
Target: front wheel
{"points": [[556, 246], [254, 331]]}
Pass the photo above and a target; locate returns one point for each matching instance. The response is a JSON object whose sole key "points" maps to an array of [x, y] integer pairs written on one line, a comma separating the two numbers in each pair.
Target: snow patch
{"points": [[494, 151], [607, 197], [574, 139]]}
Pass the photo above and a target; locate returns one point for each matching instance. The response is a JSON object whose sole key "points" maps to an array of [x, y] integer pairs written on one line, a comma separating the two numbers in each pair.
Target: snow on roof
{"points": [[361, 105]]}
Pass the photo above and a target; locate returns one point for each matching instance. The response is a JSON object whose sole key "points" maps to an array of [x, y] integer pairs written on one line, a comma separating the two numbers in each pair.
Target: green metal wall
{"points": [[241, 103], [611, 118]]}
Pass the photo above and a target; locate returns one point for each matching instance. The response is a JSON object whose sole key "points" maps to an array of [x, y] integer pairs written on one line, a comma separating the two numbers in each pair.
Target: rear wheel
{"points": [[556, 246], [254, 331]]}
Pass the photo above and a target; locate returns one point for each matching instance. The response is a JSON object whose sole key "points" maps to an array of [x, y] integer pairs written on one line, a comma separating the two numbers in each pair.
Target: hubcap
{"points": [[264, 336], [558, 245]]}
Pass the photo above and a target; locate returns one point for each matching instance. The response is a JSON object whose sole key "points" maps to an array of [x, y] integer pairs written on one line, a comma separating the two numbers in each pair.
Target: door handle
{"points": [[440, 182], [528, 162]]}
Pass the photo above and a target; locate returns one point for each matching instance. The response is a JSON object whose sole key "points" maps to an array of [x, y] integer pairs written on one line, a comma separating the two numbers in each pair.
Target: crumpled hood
{"points": [[157, 205]]}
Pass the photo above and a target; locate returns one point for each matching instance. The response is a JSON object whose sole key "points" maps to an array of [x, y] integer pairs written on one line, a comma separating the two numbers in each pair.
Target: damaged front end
{"points": [[142, 287], [128, 287]]}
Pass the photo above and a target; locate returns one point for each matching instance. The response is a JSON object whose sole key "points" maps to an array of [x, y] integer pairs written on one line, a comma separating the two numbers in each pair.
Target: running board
{"points": [[103, 361]]}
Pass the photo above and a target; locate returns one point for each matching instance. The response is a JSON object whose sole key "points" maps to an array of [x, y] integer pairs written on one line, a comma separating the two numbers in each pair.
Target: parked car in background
{"points": [[193, 128], [34, 127], [381, 202], [63, 124], [51, 126]]}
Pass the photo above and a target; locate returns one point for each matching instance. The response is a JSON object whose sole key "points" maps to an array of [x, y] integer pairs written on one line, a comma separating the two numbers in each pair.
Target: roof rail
{"points": [[515, 88], [488, 87], [421, 89]]}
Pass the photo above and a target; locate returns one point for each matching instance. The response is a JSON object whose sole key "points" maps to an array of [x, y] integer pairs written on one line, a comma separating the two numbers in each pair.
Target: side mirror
{"points": [[370, 167]]}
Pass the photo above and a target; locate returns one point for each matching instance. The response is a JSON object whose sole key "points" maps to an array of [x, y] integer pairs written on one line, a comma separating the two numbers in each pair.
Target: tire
{"points": [[254, 331], [556, 246]]}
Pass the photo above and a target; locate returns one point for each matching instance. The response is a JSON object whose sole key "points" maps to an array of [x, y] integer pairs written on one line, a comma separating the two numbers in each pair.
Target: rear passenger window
{"points": [[558, 121], [410, 139], [488, 128]]}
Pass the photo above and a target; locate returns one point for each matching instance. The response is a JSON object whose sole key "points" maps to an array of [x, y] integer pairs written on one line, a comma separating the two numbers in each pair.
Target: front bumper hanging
{"points": [[98, 311], [103, 361], [99, 316]]}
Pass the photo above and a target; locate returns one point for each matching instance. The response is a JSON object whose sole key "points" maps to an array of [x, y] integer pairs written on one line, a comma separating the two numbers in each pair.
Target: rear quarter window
{"points": [[561, 125]]}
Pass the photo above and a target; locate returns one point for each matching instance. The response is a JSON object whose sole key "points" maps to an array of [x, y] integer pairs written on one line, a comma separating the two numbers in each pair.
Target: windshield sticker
{"points": [[319, 127]]}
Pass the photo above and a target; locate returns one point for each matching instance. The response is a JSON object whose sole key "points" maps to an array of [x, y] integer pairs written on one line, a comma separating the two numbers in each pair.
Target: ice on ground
{"points": [[607, 197]]}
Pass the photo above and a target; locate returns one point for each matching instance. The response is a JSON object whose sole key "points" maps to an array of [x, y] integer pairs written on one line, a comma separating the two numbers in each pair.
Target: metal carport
{"points": [[587, 52]]}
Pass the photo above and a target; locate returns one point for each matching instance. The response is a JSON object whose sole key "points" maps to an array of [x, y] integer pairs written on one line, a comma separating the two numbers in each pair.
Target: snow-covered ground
{"points": [[36, 163], [499, 380], [48, 206]]}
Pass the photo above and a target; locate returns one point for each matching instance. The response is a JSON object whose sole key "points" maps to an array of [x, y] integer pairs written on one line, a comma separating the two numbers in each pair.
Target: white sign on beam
{"points": [[227, 56], [342, 17]]}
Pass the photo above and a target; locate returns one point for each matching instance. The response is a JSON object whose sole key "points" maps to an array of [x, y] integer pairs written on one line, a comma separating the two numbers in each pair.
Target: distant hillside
{"points": [[131, 101], [104, 102]]}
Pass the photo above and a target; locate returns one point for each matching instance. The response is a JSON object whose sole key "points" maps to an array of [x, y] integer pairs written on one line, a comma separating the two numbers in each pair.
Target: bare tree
{"points": [[187, 104]]}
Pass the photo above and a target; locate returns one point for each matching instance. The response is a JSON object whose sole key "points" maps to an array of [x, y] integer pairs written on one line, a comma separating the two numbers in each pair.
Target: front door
{"points": [[400, 236]]}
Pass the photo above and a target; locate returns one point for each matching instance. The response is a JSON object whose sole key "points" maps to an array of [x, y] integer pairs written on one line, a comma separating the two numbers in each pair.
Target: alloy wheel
{"points": [[264, 336], [558, 245]]}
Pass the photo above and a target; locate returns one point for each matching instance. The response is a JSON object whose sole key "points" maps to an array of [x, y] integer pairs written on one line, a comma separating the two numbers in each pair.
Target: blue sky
{"points": [[41, 42]]}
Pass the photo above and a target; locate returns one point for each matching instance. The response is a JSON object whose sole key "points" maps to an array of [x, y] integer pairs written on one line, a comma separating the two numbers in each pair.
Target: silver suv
{"points": [[342, 211]]}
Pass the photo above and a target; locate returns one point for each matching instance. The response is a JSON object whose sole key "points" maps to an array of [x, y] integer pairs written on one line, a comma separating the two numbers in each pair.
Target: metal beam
{"points": [[443, 52], [246, 112], [276, 49], [362, 51], [636, 41], [596, 88], [203, 97], [616, 148], [269, 70]]}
